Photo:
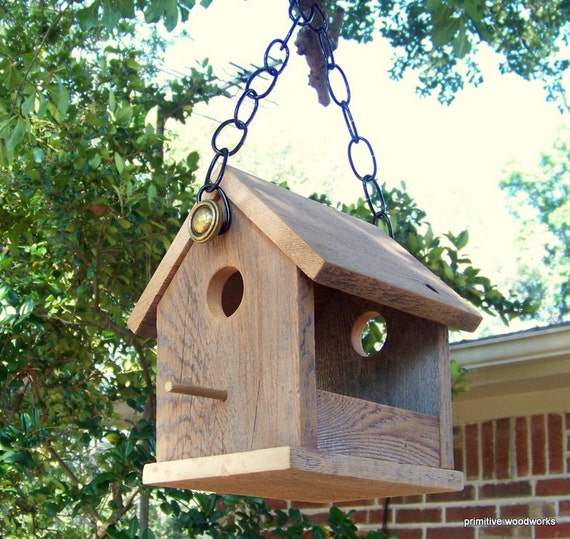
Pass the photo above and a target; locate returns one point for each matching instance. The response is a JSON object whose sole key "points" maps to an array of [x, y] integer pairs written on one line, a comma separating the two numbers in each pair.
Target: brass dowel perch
{"points": [[196, 391]]}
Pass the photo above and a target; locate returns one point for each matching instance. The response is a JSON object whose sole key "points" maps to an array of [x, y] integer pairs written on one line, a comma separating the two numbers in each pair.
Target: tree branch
{"points": [[101, 532], [308, 45], [39, 48]]}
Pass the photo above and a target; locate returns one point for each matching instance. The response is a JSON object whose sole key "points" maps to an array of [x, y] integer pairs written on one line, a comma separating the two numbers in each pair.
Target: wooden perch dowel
{"points": [[195, 391]]}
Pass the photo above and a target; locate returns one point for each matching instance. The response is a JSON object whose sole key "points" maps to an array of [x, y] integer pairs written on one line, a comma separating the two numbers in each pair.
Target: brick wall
{"points": [[516, 467]]}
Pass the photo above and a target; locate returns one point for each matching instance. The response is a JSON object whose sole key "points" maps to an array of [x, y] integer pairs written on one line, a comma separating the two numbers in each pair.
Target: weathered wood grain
{"points": [[331, 248], [445, 404], [264, 315], [361, 428], [142, 320], [404, 374], [262, 355], [341, 252], [195, 391], [301, 474]]}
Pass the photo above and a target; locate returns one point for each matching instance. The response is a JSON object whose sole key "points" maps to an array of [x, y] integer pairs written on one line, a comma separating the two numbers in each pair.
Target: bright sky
{"points": [[451, 157]]}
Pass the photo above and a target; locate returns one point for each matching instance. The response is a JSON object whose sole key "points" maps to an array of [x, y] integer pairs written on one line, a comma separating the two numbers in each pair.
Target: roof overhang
{"points": [[333, 249]]}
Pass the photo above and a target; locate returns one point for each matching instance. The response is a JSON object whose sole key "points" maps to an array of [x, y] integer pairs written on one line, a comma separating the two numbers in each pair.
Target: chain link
{"points": [[316, 19], [254, 91], [262, 82]]}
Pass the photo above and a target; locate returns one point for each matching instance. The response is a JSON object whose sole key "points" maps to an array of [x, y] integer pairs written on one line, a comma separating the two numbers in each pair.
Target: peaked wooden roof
{"points": [[331, 248]]}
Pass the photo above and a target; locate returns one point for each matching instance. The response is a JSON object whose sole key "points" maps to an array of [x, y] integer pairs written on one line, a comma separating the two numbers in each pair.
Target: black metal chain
{"points": [[254, 91], [315, 18]]}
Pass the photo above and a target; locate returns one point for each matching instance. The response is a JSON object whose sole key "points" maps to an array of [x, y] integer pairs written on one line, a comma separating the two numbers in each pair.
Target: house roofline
{"points": [[522, 373], [527, 345]]}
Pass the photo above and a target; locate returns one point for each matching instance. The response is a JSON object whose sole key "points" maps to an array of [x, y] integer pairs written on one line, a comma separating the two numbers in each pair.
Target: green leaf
{"points": [[336, 515], [475, 9], [462, 240], [4, 290], [111, 14], [42, 106], [413, 243], [119, 163], [17, 135], [167, 9], [192, 160], [126, 8], [134, 527], [55, 112], [444, 26], [127, 448], [112, 101], [151, 193], [429, 237], [133, 64], [94, 120], [88, 17], [461, 43], [124, 114], [317, 532], [25, 422], [433, 5], [26, 308], [136, 83], [104, 477], [6, 127], [12, 76], [63, 100], [185, 7], [29, 104], [447, 272], [95, 161], [18, 457], [170, 14], [36, 417], [154, 11]]}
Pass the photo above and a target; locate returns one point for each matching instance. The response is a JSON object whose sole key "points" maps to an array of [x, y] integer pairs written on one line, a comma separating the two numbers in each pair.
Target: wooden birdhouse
{"points": [[263, 384]]}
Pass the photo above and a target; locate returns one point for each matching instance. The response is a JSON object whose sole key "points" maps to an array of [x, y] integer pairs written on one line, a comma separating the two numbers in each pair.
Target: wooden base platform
{"points": [[296, 473]]}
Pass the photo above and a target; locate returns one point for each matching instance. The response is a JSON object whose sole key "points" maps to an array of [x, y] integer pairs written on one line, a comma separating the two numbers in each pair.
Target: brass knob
{"points": [[206, 221]]}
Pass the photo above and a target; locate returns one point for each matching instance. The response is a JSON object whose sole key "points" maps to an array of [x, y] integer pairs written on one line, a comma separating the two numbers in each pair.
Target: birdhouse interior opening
{"points": [[369, 333], [225, 292]]}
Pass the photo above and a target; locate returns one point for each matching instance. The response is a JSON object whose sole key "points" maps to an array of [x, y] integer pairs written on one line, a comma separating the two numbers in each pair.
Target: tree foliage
{"points": [[89, 202], [540, 199], [439, 39], [88, 205], [444, 255]]}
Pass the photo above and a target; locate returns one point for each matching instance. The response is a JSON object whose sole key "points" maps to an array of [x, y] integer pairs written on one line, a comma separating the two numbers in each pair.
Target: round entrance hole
{"points": [[225, 292], [369, 333]]}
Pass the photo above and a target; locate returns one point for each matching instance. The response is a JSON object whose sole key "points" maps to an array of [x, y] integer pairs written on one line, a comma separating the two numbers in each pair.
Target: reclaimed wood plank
{"points": [[361, 428], [301, 474]]}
